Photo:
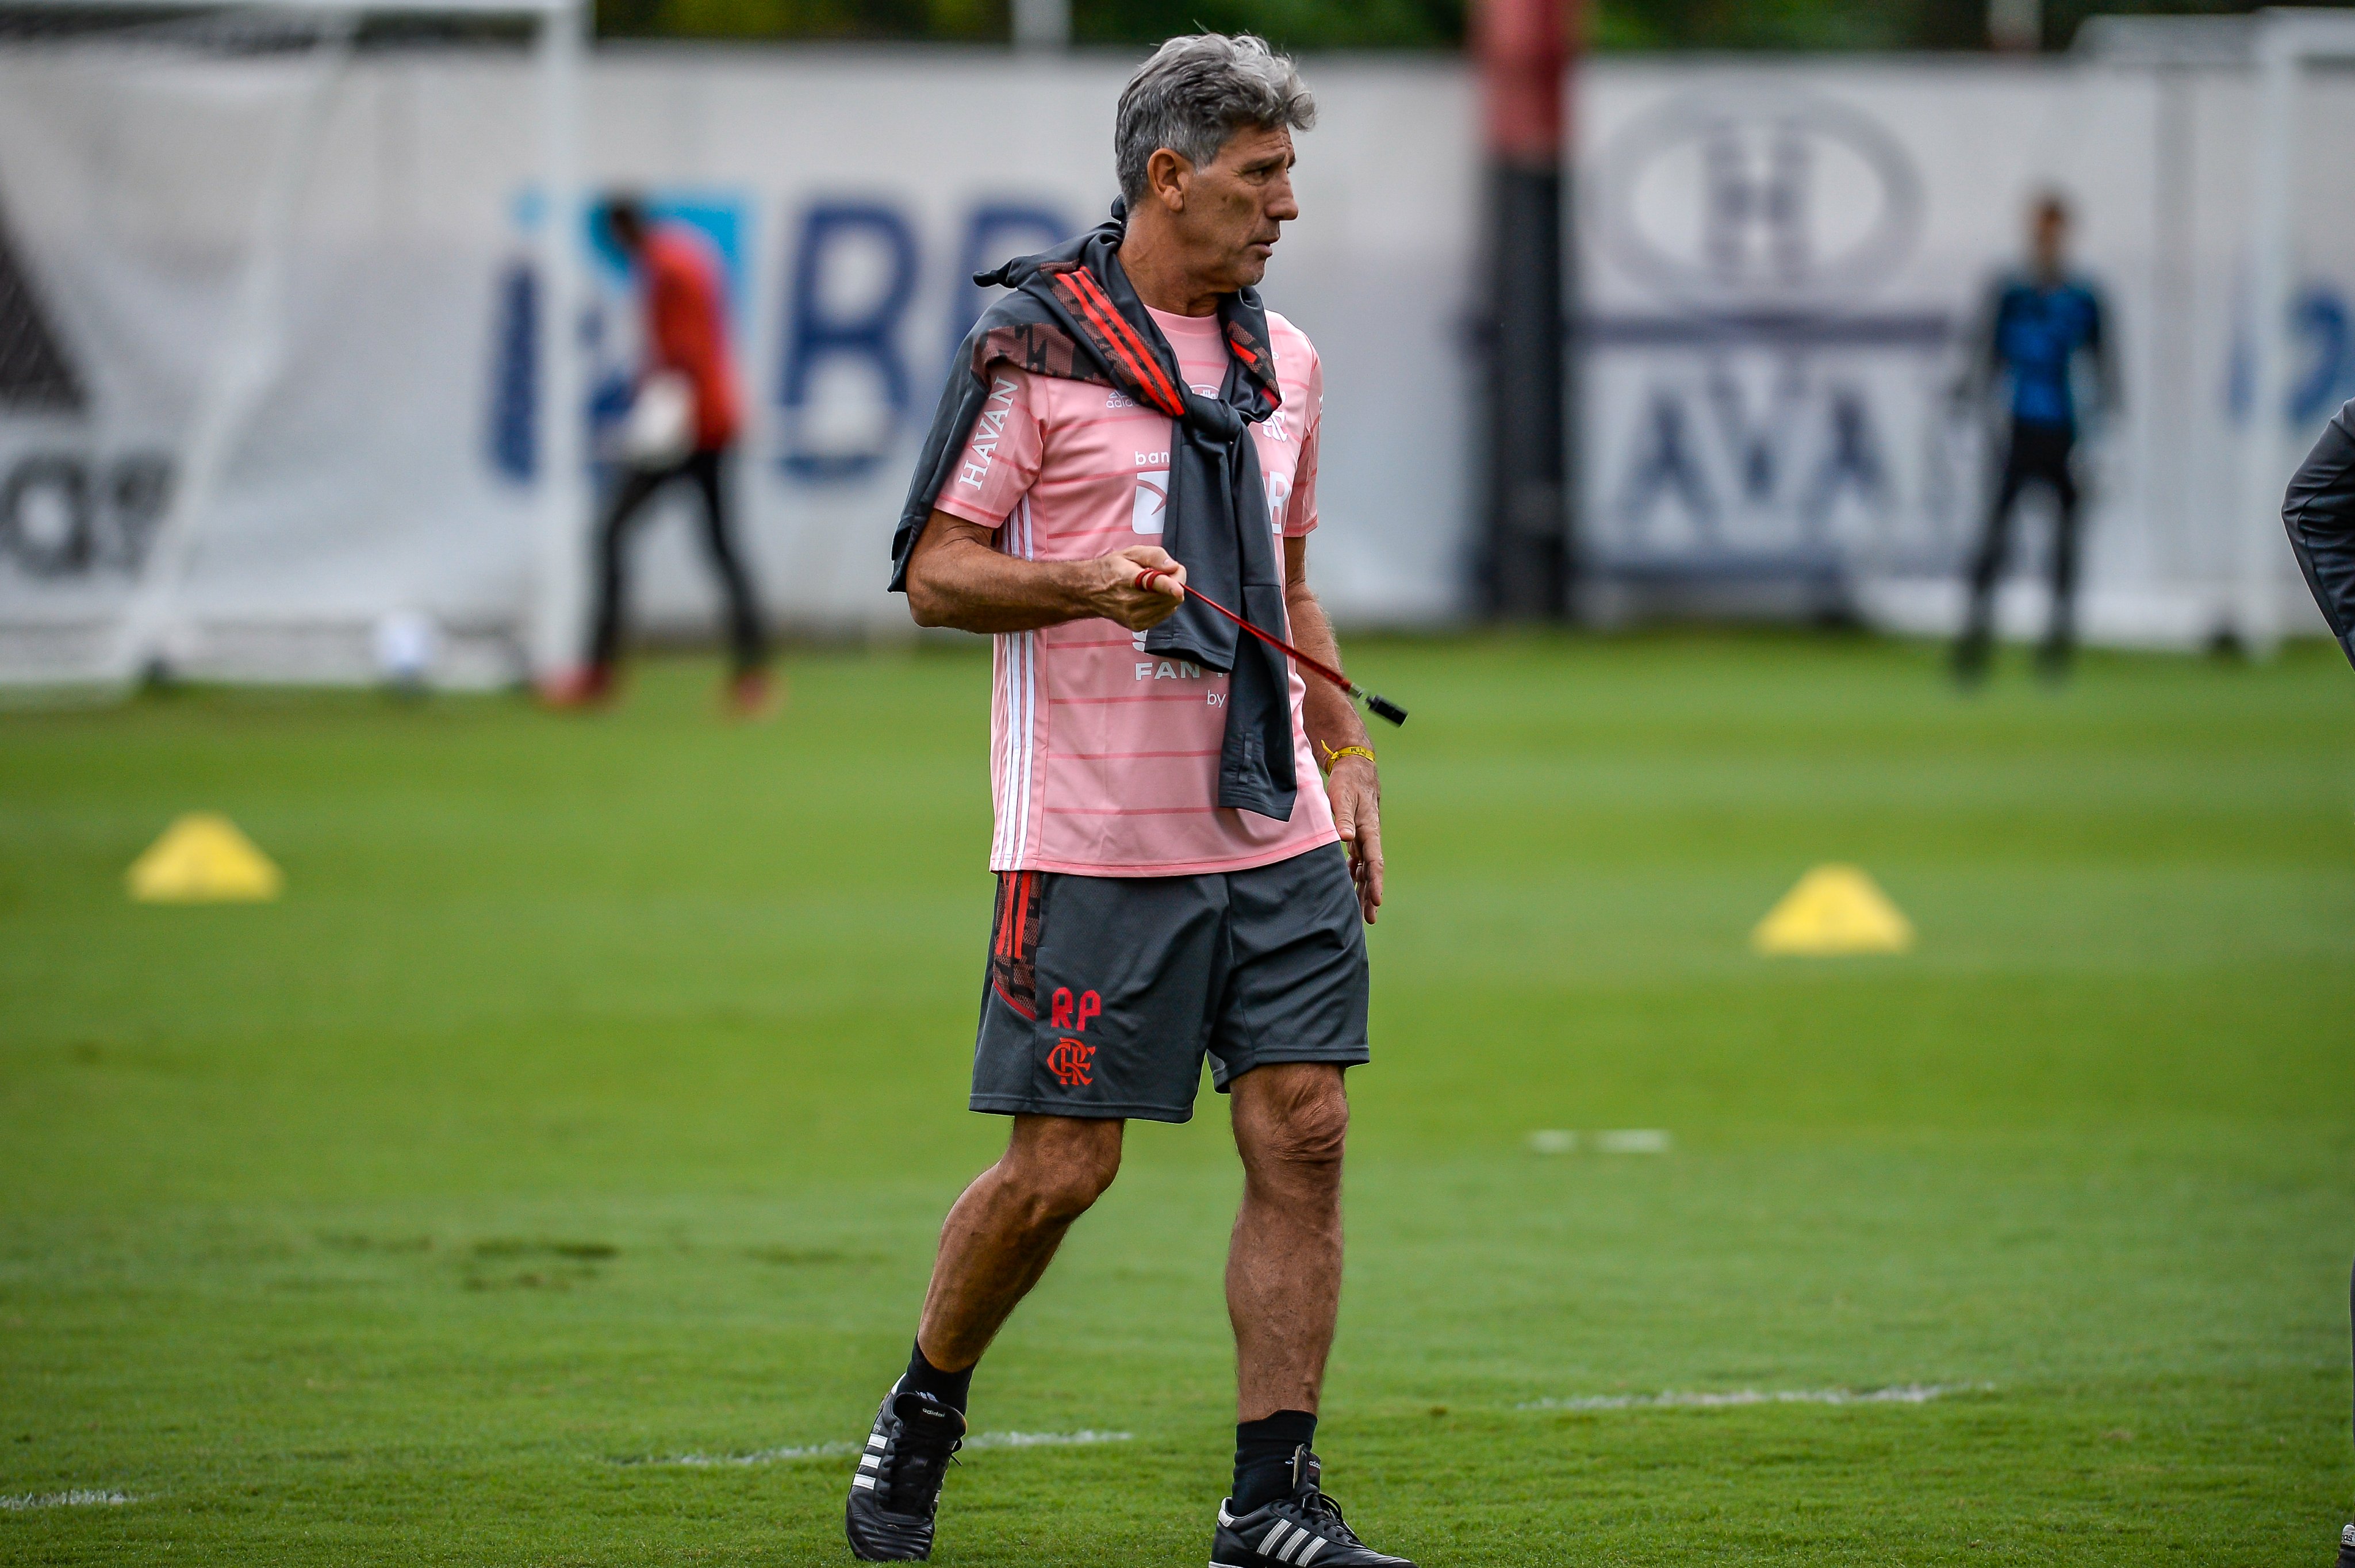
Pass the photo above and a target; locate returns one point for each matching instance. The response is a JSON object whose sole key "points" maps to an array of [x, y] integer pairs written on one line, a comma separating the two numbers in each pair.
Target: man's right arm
{"points": [[1982, 352], [957, 577]]}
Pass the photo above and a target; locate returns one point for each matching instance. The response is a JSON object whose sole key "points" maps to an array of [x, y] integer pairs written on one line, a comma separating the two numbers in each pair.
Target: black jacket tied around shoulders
{"points": [[1073, 315]]}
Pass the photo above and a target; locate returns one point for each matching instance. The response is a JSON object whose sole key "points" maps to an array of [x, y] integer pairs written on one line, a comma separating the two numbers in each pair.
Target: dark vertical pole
{"points": [[1528, 560]]}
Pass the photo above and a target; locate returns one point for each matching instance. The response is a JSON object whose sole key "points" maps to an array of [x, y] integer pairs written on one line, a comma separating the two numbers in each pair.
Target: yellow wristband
{"points": [[1333, 755]]}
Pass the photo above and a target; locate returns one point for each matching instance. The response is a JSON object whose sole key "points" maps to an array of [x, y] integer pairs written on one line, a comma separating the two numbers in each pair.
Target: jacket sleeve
{"points": [[2319, 513], [961, 399]]}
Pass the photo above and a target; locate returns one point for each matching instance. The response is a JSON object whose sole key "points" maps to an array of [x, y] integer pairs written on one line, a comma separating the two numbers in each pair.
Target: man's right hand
{"points": [[1117, 596], [958, 576]]}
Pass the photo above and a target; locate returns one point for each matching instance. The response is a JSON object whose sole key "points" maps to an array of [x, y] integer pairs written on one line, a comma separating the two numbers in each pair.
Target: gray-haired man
{"points": [[1170, 883]]}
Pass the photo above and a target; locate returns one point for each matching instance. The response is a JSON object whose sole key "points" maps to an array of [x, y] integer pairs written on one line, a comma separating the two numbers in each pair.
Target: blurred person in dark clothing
{"points": [[2319, 513], [682, 426], [2038, 323]]}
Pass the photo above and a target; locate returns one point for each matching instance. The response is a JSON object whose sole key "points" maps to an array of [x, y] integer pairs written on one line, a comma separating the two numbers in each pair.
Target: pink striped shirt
{"points": [[1103, 760]]}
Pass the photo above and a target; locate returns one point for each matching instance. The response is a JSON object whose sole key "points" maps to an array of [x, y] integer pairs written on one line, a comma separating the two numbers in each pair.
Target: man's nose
{"points": [[1279, 203]]}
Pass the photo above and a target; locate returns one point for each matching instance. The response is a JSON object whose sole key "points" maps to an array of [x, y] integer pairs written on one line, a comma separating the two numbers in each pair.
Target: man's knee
{"points": [[1059, 1166], [1300, 1120]]}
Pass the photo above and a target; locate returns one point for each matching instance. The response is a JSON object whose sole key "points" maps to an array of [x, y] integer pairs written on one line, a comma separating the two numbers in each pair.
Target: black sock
{"points": [[1264, 1450], [949, 1388]]}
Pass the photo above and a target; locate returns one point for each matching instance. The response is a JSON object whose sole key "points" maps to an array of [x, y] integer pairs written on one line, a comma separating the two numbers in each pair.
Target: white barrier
{"points": [[1776, 261]]}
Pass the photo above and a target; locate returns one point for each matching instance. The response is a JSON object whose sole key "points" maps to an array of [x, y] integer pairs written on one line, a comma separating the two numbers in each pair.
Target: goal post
{"points": [[109, 636]]}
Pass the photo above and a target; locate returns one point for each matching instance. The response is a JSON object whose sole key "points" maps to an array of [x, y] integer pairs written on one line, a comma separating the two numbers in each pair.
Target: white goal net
{"points": [[224, 233]]}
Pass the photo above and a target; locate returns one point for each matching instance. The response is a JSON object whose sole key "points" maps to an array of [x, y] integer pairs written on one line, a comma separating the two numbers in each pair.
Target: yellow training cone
{"points": [[1834, 909], [203, 859]]}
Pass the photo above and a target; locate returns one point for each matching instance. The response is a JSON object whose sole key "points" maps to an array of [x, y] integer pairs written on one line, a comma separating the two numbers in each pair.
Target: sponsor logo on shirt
{"points": [[1120, 400], [1151, 503], [987, 427]]}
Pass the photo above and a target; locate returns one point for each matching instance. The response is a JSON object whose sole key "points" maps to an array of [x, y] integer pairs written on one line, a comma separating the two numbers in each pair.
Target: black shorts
{"points": [[1104, 993]]}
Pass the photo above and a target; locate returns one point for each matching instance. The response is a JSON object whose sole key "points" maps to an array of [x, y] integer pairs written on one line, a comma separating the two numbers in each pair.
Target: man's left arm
{"points": [[1353, 785], [2107, 390]]}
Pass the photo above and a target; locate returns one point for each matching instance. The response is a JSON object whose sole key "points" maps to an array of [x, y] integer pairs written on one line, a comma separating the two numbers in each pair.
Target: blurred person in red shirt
{"points": [[682, 426]]}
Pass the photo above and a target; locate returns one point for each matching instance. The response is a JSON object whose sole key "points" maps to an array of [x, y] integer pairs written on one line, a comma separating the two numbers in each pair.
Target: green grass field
{"points": [[592, 1096]]}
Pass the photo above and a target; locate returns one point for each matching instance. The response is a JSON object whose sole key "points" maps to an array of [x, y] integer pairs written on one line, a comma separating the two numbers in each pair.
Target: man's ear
{"points": [[1166, 176]]}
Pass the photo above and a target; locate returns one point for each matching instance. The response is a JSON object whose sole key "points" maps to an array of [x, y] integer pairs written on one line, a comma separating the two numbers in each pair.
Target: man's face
{"points": [[2048, 239], [628, 233], [1236, 205]]}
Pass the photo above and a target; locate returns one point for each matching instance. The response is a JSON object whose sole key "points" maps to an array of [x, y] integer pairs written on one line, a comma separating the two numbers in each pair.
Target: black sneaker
{"points": [[1294, 1532], [890, 1516], [2347, 1547]]}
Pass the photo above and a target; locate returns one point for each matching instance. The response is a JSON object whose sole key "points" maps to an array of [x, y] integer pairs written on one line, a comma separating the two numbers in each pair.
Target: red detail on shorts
{"points": [[1072, 1062], [1013, 962], [1030, 1013], [1061, 1017], [1091, 1006]]}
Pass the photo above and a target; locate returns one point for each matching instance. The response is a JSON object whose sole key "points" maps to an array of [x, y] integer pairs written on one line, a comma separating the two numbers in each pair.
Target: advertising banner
{"points": [[1779, 264]]}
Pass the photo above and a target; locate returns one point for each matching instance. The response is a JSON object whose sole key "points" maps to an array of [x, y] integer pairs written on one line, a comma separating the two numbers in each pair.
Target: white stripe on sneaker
{"points": [[1315, 1546], [1273, 1539], [865, 1481], [1293, 1544], [875, 1440], [870, 1461]]}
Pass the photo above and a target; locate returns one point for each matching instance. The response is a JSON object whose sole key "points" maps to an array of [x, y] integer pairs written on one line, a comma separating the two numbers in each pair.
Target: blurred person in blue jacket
{"points": [[2039, 327]]}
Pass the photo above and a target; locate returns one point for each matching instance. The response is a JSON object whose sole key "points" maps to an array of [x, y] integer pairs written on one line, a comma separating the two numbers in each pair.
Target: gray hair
{"points": [[1197, 91]]}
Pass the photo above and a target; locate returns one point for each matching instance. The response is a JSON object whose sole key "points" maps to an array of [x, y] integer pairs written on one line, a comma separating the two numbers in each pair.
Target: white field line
{"points": [[1610, 1140], [1902, 1393], [78, 1498], [836, 1450], [1045, 1439]]}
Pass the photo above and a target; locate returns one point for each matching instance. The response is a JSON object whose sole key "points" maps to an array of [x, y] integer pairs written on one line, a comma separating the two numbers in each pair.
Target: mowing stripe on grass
{"points": [[1902, 1393], [836, 1450], [77, 1498]]}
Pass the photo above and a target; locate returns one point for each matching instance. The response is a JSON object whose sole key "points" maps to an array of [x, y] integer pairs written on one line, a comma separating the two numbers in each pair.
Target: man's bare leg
{"points": [[997, 1240], [1002, 1234], [1283, 1264]]}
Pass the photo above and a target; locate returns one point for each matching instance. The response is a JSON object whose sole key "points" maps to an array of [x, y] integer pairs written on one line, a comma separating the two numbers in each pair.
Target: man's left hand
{"points": [[1355, 792]]}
